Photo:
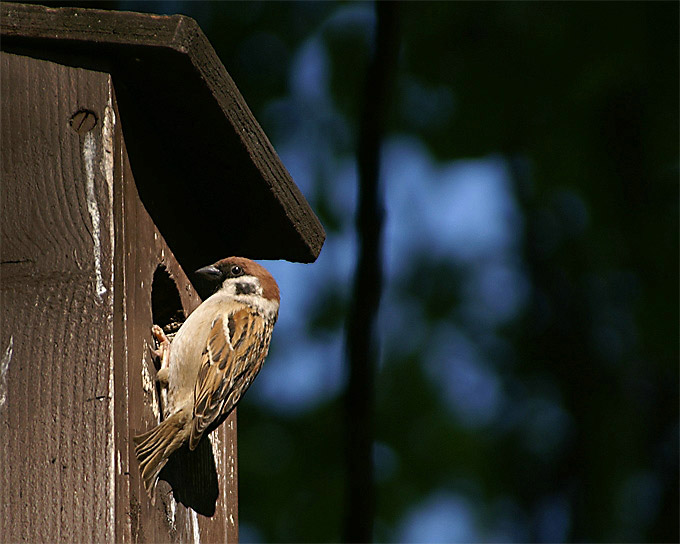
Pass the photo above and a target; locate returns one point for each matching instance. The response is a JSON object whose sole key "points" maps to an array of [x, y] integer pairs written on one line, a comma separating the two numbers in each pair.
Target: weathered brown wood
{"points": [[78, 257], [58, 453], [185, 118]]}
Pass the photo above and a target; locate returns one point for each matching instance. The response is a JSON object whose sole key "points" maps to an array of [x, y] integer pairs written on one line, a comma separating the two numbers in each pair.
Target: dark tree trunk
{"points": [[362, 345]]}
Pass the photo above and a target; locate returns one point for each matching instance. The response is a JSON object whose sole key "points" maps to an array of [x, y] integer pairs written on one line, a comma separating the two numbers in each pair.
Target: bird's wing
{"points": [[237, 345]]}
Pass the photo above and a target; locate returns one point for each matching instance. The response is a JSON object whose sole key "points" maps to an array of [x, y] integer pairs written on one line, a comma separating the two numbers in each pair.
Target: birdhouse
{"points": [[128, 158]]}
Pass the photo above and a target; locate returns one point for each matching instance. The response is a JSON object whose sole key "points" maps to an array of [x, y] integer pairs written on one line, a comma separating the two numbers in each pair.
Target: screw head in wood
{"points": [[83, 121]]}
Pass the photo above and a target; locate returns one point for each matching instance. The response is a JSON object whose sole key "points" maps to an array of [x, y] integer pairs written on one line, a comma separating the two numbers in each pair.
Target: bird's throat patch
{"points": [[244, 288]]}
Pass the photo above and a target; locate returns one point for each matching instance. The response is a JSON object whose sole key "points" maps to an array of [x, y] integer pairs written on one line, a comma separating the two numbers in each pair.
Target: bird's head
{"points": [[240, 278]]}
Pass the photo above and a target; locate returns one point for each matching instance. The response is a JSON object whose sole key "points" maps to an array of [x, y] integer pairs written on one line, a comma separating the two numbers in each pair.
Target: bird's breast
{"points": [[186, 355]]}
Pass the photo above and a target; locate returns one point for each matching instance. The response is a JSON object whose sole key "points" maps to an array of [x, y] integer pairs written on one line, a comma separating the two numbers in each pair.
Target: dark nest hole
{"points": [[166, 305]]}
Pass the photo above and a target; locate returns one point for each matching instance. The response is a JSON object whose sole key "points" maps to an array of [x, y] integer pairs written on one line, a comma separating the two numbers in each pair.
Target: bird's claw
{"points": [[162, 354], [159, 335]]}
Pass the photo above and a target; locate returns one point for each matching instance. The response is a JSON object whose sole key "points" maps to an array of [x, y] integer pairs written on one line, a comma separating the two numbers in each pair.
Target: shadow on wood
{"points": [[192, 475]]}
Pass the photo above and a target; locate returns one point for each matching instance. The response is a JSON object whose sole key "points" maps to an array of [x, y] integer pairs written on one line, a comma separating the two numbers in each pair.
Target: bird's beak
{"points": [[209, 273], [207, 280]]}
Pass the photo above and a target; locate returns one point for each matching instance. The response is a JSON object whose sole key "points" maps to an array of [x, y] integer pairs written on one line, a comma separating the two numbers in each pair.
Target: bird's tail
{"points": [[153, 447]]}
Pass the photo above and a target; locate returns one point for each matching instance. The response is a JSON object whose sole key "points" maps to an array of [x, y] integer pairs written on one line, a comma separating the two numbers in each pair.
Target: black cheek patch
{"points": [[245, 289]]}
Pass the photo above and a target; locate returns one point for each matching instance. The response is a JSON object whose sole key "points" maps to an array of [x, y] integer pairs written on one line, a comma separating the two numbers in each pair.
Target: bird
{"points": [[212, 359]]}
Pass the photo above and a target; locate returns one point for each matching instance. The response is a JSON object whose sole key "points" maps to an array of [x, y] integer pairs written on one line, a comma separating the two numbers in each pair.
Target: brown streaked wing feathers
{"points": [[230, 361]]}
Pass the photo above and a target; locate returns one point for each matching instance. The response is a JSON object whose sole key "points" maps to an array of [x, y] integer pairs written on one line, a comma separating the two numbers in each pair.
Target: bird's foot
{"points": [[162, 354]]}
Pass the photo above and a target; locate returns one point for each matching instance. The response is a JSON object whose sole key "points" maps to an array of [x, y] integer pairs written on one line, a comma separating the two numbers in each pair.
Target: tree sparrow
{"points": [[213, 358]]}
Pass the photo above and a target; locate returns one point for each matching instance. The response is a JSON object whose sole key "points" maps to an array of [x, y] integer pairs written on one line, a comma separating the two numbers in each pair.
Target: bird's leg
{"points": [[161, 357], [162, 353]]}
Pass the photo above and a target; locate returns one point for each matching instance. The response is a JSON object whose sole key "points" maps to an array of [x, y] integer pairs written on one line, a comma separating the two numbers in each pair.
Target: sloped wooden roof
{"points": [[204, 168]]}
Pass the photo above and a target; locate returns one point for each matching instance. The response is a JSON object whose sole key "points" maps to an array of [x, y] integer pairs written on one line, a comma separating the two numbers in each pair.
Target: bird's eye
{"points": [[236, 270]]}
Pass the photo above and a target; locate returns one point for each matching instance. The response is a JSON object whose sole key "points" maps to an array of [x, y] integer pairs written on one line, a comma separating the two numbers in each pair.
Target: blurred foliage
{"points": [[581, 99]]}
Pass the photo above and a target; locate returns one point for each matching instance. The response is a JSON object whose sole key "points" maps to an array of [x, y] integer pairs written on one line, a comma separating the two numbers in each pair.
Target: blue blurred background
{"points": [[527, 385]]}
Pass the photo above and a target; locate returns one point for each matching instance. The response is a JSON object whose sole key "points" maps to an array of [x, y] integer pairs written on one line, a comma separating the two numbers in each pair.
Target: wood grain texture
{"points": [[57, 304], [77, 261], [188, 119]]}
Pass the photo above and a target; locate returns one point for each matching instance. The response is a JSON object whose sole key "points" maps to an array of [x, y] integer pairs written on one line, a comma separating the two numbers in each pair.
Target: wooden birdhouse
{"points": [[124, 142]]}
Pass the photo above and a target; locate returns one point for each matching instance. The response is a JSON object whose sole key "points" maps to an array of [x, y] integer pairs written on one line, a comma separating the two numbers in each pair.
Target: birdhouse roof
{"points": [[204, 168]]}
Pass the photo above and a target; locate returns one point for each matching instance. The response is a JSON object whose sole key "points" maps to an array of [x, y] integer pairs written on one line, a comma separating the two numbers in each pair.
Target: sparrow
{"points": [[212, 359]]}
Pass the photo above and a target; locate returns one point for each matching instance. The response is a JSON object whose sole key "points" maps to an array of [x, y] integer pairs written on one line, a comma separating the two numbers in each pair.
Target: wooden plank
{"points": [[57, 455], [188, 126]]}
